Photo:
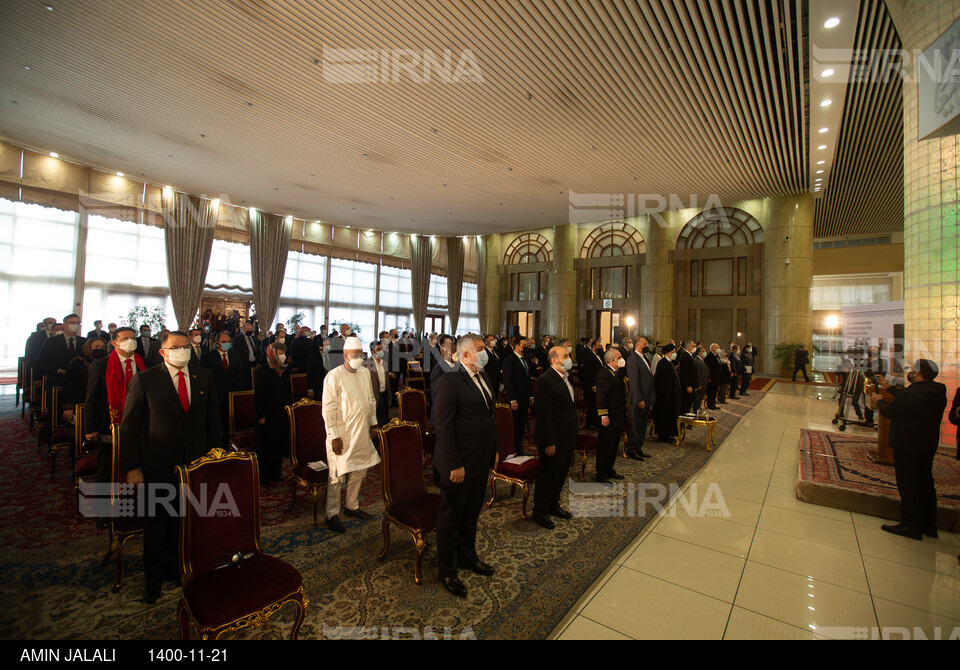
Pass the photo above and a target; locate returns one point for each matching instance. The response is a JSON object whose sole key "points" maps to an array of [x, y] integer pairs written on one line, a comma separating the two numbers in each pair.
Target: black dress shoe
{"points": [[478, 567], [634, 456], [454, 586], [714, 408], [744, 395], [603, 480], [932, 532], [151, 594], [722, 402], [560, 513], [357, 513], [902, 531], [615, 475], [544, 522], [334, 524]]}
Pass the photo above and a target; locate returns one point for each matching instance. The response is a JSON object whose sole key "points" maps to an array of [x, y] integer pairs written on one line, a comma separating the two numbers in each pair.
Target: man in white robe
{"points": [[349, 409]]}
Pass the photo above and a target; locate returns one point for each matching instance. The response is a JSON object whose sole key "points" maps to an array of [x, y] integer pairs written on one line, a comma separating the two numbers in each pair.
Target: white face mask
{"points": [[127, 345], [355, 363], [195, 339], [74, 328], [282, 358], [178, 357], [621, 363]]}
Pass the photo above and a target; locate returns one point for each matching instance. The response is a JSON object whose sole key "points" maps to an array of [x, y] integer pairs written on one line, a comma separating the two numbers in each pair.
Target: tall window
{"points": [[396, 302], [831, 293], [353, 295], [229, 265], [469, 311], [304, 282], [438, 292], [37, 264]]}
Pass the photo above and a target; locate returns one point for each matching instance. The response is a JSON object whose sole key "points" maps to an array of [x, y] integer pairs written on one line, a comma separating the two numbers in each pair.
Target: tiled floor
{"points": [[772, 567]]}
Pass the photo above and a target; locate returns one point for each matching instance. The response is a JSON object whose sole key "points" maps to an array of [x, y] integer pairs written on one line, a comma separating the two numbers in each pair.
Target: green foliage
{"points": [[293, 323], [355, 329], [141, 315], [784, 353]]}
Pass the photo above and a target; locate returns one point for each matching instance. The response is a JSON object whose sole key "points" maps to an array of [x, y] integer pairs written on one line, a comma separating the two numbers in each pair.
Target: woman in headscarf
{"points": [[666, 383], [75, 381], [271, 394]]}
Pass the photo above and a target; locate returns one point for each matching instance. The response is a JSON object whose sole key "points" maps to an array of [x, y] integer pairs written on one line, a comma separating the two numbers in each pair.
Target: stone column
{"points": [[931, 193], [656, 277], [787, 312], [561, 316], [490, 309]]}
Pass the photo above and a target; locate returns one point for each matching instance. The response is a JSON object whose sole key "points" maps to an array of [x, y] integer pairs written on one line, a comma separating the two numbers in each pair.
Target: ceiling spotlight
{"points": [[826, 103], [54, 154], [823, 130], [819, 171], [49, 8], [821, 162], [827, 73], [832, 22], [119, 174], [822, 147]]}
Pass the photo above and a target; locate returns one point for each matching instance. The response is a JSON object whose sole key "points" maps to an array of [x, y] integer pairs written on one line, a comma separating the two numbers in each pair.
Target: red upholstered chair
{"points": [[515, 475], [414, 370], [417, 384], [298, 386], [308, 437], [243, 419], [228, 582], [85, 453], [408, 505], [122, 527], [413, 407]]}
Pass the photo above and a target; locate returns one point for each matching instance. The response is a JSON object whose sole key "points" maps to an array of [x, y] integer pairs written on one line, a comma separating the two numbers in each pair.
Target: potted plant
{"points": [[293, 323], [784, 353], [141, 315]]}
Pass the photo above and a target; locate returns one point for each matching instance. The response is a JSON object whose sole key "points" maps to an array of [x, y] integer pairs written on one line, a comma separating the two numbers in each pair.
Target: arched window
{"points": [[613, 239], [529, 248], [726, 227]]}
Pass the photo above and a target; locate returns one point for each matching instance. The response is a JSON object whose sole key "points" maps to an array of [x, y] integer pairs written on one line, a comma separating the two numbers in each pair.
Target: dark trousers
{"points": [[686, 401], [800, 368], [745, 382], [520, 424], [638, 429], [550, 479], [161, 537], [590, 396], [393, 384], [697, 401], [918, 496], [722, 388], [734, 384], [608, 440], [383, 408], [712, 388], [460, 506]]}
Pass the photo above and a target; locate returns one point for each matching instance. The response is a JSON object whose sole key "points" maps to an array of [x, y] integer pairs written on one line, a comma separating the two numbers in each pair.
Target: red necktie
{"points": [[129, 371], [182, 390], [226, 365]]}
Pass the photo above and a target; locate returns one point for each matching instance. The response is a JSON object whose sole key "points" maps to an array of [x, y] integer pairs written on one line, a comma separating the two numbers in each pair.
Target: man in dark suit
{"points": [[145, 344], [197, 349], [954, 418], [542, 353], [37, 339], [170, 418], [518, 389], [590, 367], [800, 360], [612, 410], [642, 397], [494, 365], [466, 429], [336, 345], [318, 365], [248, 354], [555, 434], [300, 350], [746, 362], [57, 352], [715, 365], [98, 331], [442, 366], [687, 371], [917, 412], [224, 363], [395, 359]]}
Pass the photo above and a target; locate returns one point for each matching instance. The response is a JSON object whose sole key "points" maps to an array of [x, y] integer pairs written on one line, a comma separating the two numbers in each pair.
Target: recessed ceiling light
{"points": [[119, 174], [822, 147], [819, 171], [827, 73], [832, 22], [26, 67], [823, 130], [826, 103], [49, 8], [54, 154], [821, 162]]}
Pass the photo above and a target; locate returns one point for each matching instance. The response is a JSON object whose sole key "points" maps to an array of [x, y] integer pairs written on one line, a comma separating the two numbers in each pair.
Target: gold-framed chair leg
{"points": [[523, 503], [293, 496], [419, 545], [315, 494], [385, 527], [184, 620], [583, 466], [493, 491], [301, 603]]}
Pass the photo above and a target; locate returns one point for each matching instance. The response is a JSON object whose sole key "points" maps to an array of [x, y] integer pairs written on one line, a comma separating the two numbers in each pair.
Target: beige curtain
{"points": [[188, 225], [421, 255], [454, 280], [481, 276], [269, 242]]}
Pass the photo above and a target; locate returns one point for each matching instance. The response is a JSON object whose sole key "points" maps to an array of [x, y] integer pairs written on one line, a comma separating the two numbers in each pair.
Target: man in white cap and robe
{"points": [[349, 410]]}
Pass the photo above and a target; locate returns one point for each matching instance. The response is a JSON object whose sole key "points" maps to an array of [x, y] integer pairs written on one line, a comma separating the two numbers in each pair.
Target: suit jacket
{"points": [[688, 372], [97, 404], [493, 371], [440, 368], [54, 354], [592, 364], [102, 334], [225, 380], [153, 345], [556, 423], [300, 352], [715, 366], [316, 372], [703, 372], [516, 380], [543, 357], [156, 435], [370, 365], [465, 426], [736, 366], [611, 396], [917, 411], [641, 381], [746, 359], [243, 351], [954, 408], [34, 343], [194, 358]]}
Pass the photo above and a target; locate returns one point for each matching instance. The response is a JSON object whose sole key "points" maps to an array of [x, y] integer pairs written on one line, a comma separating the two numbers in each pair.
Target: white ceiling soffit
{"points": [[864, 194], [236, 99]]}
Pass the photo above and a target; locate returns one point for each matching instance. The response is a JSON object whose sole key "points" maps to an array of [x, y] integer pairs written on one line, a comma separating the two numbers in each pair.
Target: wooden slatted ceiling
{"points": [[865, 192], [677, 97]]}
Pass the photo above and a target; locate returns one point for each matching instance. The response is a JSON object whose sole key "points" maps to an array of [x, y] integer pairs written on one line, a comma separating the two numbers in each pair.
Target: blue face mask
{"points": [[226, 346], [483, 358], [567, 364]]}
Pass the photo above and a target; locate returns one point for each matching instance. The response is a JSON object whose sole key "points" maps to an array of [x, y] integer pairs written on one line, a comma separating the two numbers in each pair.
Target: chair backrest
{"points": [[414, 369], [308, 433], [417, 384], [44, 394], [21, 372], [505, 430], [220, 510], [413, 407], [253, 377], [298, 386], [79, 428], [401, 449], [243, 413], [56, 413]]}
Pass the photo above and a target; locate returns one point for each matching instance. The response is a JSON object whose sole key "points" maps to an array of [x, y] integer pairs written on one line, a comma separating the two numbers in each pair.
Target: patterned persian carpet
{"points": [[54, 588], [835, 471]]}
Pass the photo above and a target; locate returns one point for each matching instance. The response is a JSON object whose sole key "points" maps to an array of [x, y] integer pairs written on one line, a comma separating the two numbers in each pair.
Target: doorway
{"points": [[522, 323], [608, 325], [433, 324]]}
